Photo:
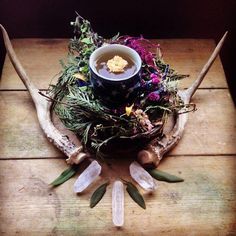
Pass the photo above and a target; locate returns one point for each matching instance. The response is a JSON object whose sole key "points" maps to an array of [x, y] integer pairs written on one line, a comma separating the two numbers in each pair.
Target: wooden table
{"points": [[204, 204]]}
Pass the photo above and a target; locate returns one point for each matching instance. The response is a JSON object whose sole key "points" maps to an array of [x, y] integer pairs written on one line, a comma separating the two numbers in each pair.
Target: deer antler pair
{"points": [[150, 156]]}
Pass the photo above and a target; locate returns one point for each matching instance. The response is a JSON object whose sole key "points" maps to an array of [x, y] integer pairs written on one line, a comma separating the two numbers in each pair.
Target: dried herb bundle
{"points": [[94, 123]]}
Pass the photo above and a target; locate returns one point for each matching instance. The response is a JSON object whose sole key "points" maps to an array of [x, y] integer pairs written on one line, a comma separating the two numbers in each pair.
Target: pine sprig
{"points": [[67, 79]]}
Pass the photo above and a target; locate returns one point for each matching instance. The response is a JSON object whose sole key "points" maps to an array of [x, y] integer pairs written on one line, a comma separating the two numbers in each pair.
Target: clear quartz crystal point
{"points": [[118, 203], [142, 177], [87, 177]]}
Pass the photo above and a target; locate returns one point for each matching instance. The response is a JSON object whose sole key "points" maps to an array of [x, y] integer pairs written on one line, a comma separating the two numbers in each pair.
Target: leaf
{"points": [[135, 194], [98, 194], [115, 37], [64, 176], [163, 176], [86, 133], [84, 28], [86, 41]]}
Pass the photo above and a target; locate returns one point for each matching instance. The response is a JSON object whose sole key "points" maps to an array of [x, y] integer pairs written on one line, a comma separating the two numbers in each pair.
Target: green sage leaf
{"points": [[64, 176], [163, 176], [98, 194], [135, 194]]}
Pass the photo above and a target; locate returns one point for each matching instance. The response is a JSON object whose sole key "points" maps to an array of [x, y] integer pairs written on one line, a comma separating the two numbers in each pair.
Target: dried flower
{"points": [[143, 119], [149, 58], [80, 76], [155, 78], [154, 96], [146, 56], [128, 110]]}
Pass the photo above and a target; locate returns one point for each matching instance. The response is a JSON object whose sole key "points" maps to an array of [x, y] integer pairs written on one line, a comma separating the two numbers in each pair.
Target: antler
{"points": [[152, 155], [43, 107]]}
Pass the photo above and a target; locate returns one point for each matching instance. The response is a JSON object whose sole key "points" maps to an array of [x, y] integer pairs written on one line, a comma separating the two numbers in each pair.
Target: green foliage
{"points": [[135, 194], [64, 176], [163, 176], [98, 194], [172, 74], [81, 46]]}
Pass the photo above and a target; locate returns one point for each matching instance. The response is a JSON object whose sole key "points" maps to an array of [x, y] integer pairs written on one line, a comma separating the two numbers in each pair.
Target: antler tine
{"points": [[16, 63], [192, 89], [43, 107]]}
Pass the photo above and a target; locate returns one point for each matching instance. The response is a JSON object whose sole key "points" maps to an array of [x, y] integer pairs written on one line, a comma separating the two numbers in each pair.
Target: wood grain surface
{"points": [[204, 204]]}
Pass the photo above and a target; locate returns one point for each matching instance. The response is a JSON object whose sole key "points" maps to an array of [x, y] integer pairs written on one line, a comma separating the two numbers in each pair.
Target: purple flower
{"points": [[155, 78], [153, 96], [136, 44], [142, 83]]}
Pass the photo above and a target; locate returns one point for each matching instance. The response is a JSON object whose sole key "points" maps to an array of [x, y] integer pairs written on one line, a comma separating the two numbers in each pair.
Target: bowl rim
{"points": [[138, 62]]}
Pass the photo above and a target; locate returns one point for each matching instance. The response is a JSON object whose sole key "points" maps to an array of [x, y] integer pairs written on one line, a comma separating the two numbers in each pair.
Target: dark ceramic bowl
{"points": [[112, 91]]}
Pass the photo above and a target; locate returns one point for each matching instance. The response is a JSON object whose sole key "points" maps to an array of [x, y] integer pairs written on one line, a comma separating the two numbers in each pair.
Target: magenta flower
{"points": [[149, 59], [155, 78], [136, 43], [154, 96]]}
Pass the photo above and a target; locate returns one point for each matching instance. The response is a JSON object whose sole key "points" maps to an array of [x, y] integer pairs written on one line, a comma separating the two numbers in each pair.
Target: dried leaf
{"points": [[142, 177], [163, 176], [135, 194], [98, 194], [87, 177], [64, 176], [118, 203]]}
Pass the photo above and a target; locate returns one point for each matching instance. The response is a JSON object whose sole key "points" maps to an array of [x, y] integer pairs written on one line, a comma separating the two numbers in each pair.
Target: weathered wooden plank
{"points": [[40, 57], [188, 56], [21, 135], [210, 130], [204, 204]]}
